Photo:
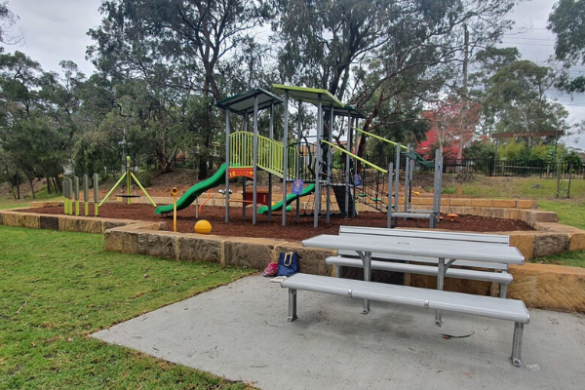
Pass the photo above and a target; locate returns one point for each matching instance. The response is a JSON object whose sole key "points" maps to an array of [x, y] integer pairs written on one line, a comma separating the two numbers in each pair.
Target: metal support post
{"points": [[128, 180], [347, 162], [255, 163], [356, 146], [440, 188], [71, 195], [517, 344], [292, 304], [367, 260], [440, 286], [389, 211], [244, 151], [285, 158], [412, 165], [298, 159], [77, 195], [435, 217], [96, 194], [271, 136], [503, 288], [227, 167], [406, 180], [329, 163], [397, 178], [65, 201], [86, 194], [319, 159]]}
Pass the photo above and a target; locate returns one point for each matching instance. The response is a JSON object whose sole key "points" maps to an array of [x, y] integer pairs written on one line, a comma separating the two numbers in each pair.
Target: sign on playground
{"points": [[297, 186], [357, 180], [246, 172]]}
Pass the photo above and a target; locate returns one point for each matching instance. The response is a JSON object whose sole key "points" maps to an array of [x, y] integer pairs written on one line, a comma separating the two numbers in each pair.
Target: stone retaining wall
{"points": [[538, 285]]}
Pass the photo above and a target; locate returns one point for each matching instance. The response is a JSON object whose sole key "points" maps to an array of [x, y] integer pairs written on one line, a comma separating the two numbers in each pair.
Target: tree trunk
{"points": [[48, 184], [202, 168], [57, 184], [17, 185], [32, 188]]}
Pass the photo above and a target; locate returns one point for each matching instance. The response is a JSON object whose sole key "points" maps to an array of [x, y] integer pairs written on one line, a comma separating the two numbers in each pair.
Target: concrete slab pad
{"points": [[240, 332]]}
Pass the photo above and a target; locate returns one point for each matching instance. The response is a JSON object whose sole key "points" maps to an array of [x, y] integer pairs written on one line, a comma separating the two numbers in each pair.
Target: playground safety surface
{"points": [[292, 231]]}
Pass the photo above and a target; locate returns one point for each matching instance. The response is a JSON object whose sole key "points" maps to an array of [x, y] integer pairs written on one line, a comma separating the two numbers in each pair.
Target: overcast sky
{"points": [[55, 30]]}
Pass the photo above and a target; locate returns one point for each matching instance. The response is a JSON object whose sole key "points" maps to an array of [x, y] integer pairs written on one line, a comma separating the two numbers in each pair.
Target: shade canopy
{"points": [[349, 111], [311, 95], [243, 103]]}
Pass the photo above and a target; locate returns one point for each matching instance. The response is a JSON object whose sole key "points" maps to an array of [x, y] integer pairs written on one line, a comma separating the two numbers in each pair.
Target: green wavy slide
{"points": [[193, 192], [291, 197]]}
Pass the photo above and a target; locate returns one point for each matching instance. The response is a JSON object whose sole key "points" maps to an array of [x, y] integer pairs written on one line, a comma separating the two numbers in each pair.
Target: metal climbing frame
{"points": [[432, 215]]}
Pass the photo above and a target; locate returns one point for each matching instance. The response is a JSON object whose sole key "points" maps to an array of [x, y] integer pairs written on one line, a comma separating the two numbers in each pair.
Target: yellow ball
{"points": [[203, 227]]}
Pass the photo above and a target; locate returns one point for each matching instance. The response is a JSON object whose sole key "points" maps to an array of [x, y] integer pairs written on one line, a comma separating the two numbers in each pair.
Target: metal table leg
{"points": [[367, 260], [440, 286]]}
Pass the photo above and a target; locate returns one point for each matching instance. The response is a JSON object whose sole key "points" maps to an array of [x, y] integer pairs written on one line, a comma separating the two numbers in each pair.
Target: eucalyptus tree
{"points": [[517, 100], [186, 48], [389, 57], [32, 136], [566, 22]]}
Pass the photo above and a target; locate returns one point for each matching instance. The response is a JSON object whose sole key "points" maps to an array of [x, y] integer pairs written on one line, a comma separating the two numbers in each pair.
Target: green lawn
{"points": [[572, 259], [570, 212], [513, 187], [57, 288], [11, 203]]}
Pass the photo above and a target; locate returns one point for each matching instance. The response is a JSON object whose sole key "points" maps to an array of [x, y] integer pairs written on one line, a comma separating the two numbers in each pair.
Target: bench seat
{"points": [[503, 309], [496, 277]]}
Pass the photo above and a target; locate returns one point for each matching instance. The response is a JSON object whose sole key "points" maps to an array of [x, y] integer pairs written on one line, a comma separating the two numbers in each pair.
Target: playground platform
{"points": [[240, 332]]}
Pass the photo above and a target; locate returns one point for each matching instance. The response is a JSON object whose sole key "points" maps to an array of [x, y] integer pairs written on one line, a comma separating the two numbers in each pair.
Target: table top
{"points": [[448, 249]]}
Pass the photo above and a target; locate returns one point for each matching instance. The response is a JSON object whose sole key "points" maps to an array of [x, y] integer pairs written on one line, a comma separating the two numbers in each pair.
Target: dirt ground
{"points": [[293, 231]]}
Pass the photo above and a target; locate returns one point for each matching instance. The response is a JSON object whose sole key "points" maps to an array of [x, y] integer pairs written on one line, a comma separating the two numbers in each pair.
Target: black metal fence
{"points": [[539, 168]]}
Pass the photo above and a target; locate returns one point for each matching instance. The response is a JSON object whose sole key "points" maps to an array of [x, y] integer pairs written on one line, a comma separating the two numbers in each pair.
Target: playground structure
{"points": [[71, 193], [432, 215], [128, 176], [248, 152]]}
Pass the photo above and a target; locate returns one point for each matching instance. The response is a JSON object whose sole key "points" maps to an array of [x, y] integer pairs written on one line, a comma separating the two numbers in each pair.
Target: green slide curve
{"points": [[193, 192], [306, 191]]}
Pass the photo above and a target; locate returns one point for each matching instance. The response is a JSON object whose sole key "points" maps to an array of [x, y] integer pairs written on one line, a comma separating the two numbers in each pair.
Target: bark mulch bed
{"points": [[293, 231]]}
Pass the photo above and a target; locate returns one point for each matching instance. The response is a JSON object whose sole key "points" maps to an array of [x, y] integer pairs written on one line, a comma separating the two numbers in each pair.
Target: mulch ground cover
{"points": [[292, 231]]}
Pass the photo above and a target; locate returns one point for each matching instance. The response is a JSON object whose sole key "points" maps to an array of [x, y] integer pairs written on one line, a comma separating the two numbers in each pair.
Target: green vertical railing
{"points": [[270, 153]]}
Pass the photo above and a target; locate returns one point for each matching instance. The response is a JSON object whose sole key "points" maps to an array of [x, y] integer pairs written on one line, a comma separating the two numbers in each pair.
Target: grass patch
{"points": [[11, 203], [570, 212], [57, 288], [514, 187], [571, 259]]}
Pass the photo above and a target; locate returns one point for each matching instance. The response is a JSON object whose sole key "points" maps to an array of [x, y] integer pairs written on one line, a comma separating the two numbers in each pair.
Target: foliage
{"points": [[566, 21], [145, 178], [162, 64], [453, 125], [59, 288], [516, 100], [480, 150]]}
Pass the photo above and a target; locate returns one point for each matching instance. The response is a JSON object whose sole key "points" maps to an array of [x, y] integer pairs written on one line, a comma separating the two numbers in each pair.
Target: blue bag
{"points": [[288, 264]]}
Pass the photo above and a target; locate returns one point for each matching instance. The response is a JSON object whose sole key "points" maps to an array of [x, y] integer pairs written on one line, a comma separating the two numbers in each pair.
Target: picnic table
{"points": [[447, 252], [446, 248]]}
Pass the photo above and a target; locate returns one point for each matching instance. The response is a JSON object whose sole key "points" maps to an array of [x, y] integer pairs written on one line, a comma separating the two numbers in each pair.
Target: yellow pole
{"points": [[174, 192], [128, 179]]}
